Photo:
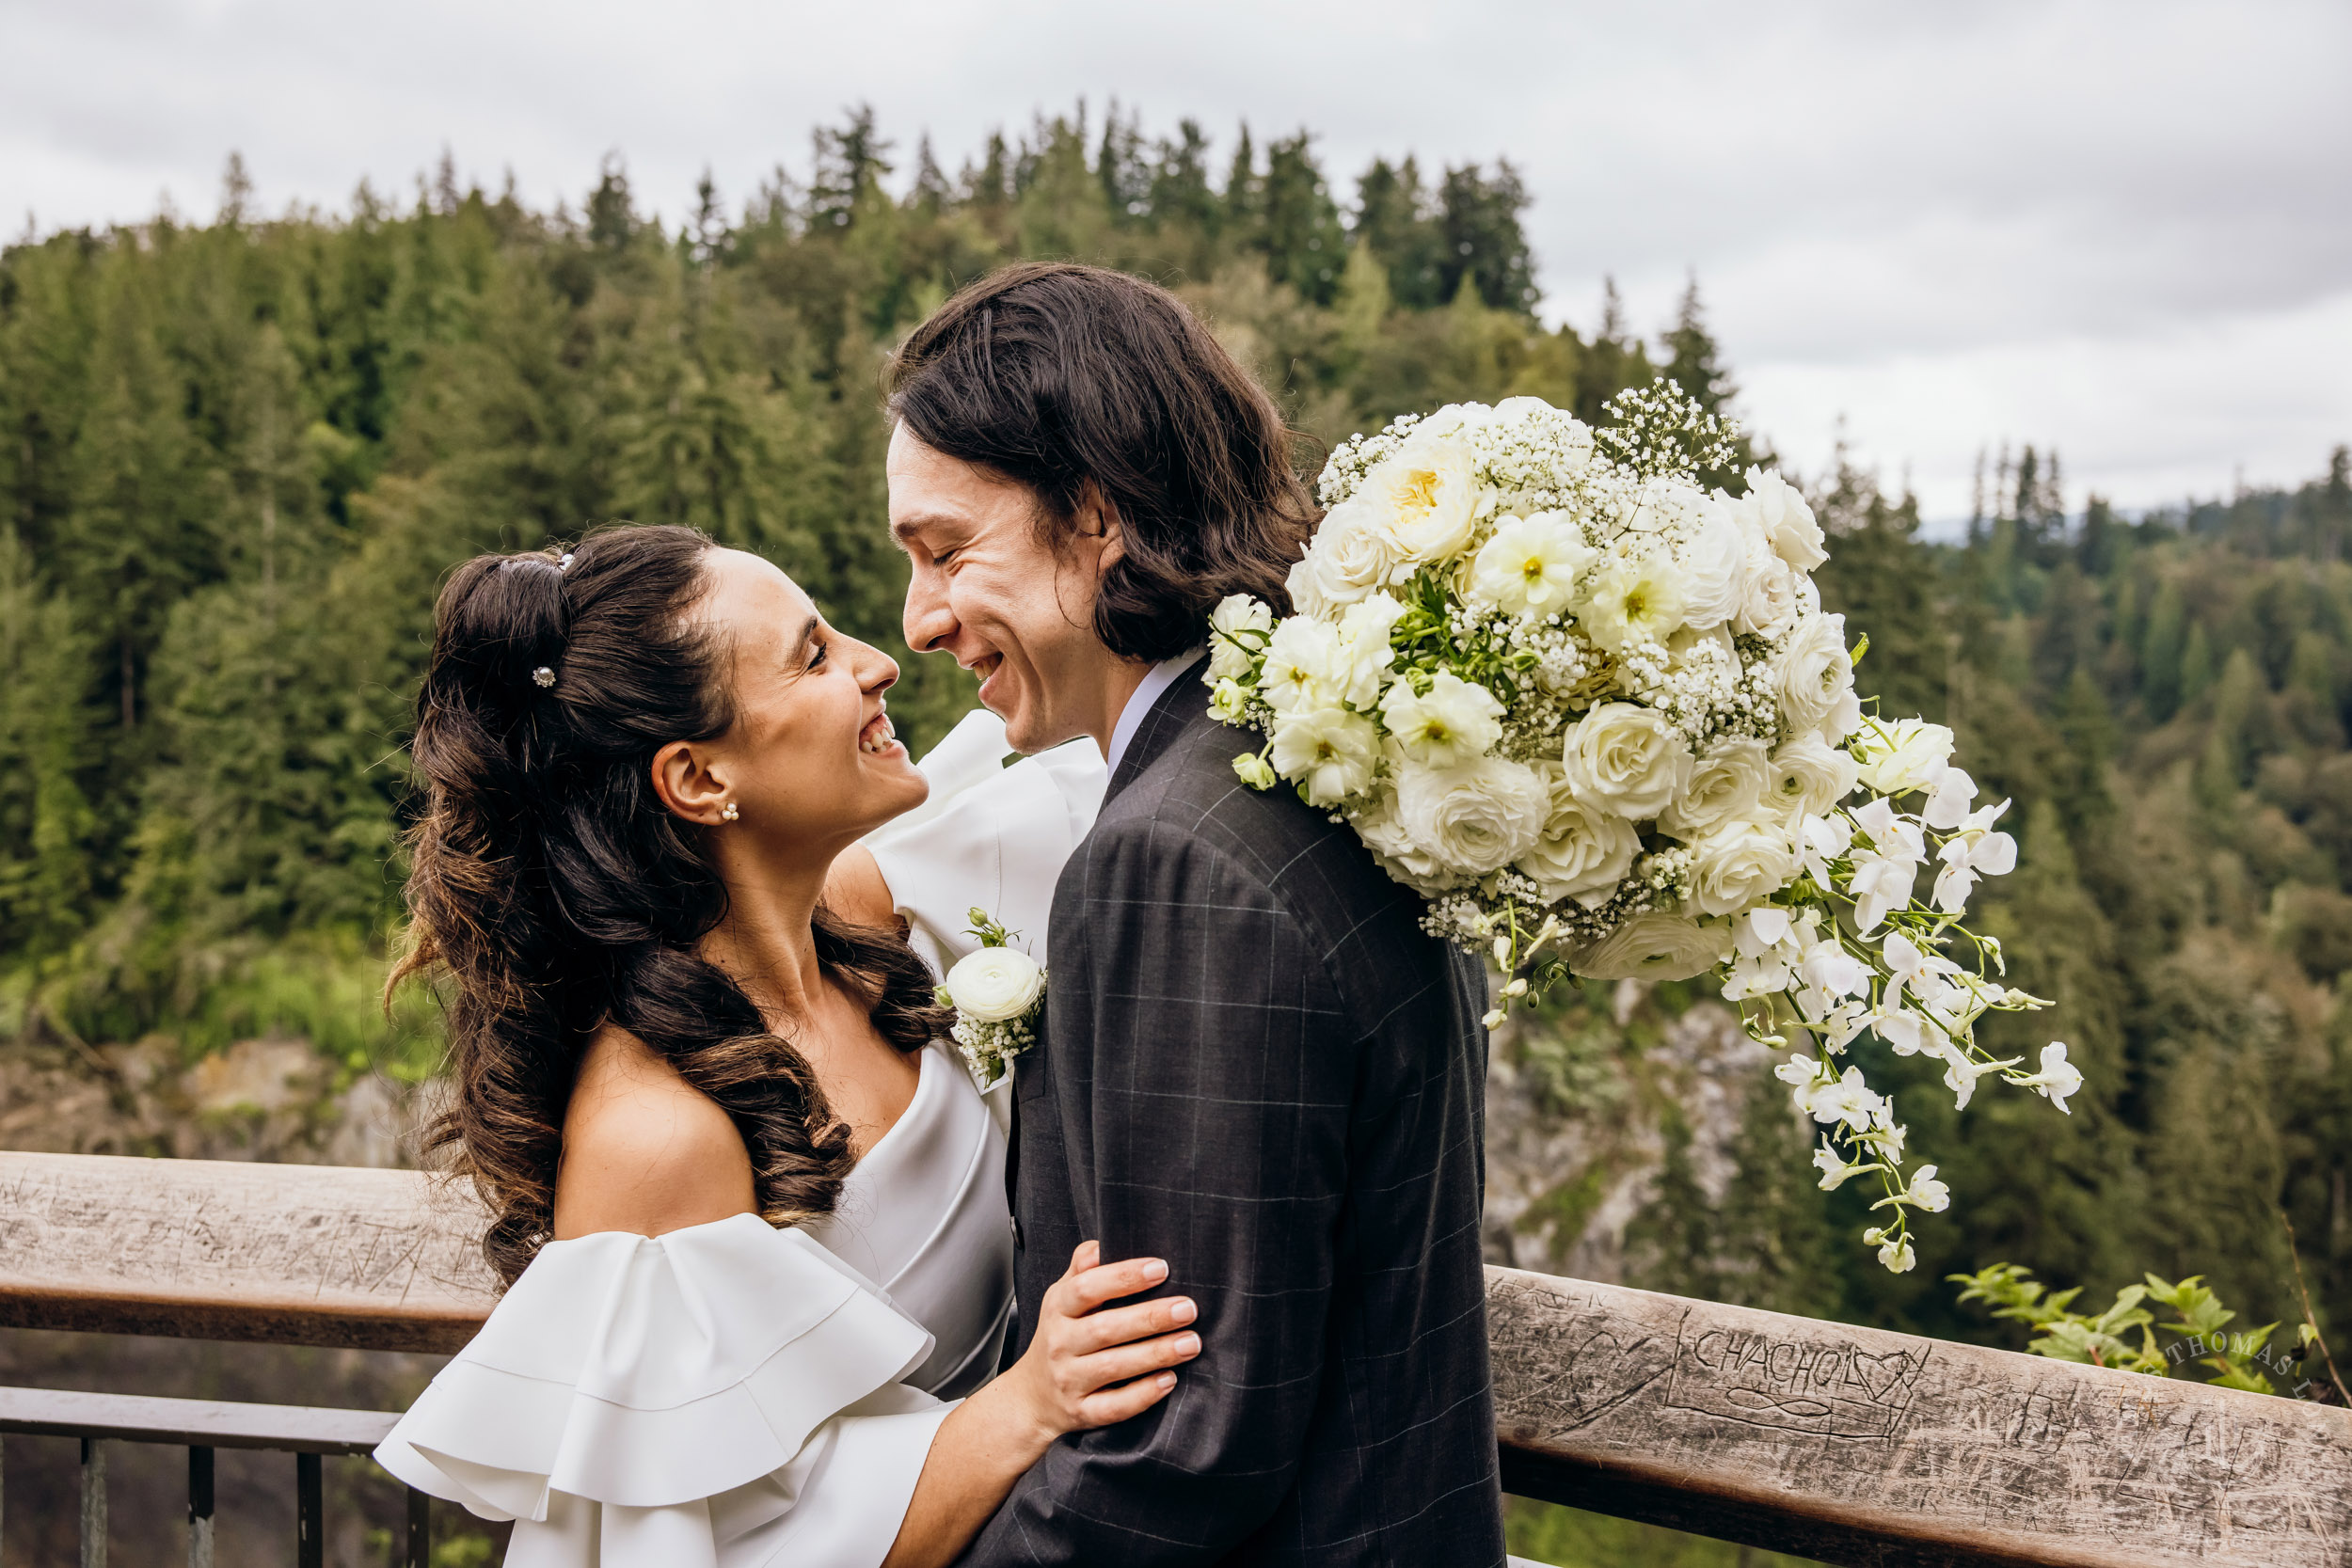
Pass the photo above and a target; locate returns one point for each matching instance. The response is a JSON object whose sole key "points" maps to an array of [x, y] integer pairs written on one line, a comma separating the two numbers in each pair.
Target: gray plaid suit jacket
{"points": [[1257, 1065]]}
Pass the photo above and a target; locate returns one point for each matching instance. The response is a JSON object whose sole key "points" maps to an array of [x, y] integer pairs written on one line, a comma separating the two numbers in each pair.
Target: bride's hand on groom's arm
{"points": [[1089, 1364]]}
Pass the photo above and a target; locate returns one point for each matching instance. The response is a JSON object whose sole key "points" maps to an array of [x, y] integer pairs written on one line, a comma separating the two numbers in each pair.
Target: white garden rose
{"points": [[1583, 852], [1399, 853], [1808, 776], [1451, 723], [1741, 863], [1812, 671], [1237, 629], [995, 985], [1632, 599], [1714, 558], [1530, 563], [1784, 518], [1626, 759], [1327, 752], [1305, 592], [1726, 783], [1423, 500], [1653, 946], [1454, 418], [1772, 600], [1668, 506], [1364, 653], [1476, 816], [1305, 665], [1352, 554], [1908, 754]]}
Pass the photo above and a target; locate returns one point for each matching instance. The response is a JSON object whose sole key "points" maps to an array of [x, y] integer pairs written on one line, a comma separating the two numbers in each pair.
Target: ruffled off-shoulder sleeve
{"points": [[704, 1399], [990, 837]]}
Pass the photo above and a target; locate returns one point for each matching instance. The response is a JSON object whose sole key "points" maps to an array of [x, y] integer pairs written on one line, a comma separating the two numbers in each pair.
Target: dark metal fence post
{"points": [[420, 1552], [311, 1514], [200, 1508], [93, 1503]]}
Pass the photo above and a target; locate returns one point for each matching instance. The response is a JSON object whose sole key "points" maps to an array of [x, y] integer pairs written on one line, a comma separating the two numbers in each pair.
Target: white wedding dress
{"points": [[731, 1395]]}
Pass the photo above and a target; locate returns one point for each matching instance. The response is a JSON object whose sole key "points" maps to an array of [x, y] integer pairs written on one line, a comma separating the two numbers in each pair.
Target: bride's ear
{"points": [[688, 783]]}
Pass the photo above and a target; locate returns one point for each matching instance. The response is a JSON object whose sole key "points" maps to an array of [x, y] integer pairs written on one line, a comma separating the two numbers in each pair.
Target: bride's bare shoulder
{"points": [[644, 1149]]}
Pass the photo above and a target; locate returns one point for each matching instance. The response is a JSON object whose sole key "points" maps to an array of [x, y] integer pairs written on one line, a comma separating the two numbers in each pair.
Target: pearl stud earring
{"points": [[728, 813]]}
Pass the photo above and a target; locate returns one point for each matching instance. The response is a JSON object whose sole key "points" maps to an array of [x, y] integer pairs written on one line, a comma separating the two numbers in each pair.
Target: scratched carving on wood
{"points": [[1823, 1386]]}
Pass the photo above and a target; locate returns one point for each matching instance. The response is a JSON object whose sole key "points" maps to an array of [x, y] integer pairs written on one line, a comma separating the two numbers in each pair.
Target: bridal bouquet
{"points": [[1595, 716]]}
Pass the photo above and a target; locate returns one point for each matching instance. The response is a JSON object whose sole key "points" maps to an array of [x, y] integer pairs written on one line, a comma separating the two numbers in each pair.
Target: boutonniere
{"points": [[998, 993]]}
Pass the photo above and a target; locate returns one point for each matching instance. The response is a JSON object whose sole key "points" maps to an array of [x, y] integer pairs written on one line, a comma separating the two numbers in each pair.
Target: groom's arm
{"points": [[1201, 1051]]}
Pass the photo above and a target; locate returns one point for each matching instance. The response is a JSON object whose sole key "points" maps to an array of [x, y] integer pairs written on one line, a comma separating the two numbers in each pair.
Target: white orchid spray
{"points": [[998, 994], [1596, 717]]}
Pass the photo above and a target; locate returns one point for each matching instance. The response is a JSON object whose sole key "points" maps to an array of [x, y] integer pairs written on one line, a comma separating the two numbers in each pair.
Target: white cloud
{"points": [[2116, 225]]}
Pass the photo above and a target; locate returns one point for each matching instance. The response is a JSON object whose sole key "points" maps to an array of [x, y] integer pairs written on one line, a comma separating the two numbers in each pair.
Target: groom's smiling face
{"points": [[990, 590]]}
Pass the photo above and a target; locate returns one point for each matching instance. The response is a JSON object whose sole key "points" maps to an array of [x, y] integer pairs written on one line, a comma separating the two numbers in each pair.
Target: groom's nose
{"points": [[930, 621]]}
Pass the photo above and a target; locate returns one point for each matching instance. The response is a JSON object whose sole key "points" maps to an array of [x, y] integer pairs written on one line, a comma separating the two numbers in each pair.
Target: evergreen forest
{"points": [[238, 454]]}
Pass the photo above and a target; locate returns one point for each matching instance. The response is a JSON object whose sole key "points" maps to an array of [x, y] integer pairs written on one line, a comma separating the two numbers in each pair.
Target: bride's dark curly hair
{"points": [[556, 891]]}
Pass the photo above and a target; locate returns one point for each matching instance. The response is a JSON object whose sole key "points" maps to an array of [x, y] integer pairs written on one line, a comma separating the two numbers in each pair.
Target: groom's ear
{"points": [[1098, 519]]}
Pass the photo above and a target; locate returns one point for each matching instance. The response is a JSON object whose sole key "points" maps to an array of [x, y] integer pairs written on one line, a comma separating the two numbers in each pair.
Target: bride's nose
{"points": [[876, 671]]}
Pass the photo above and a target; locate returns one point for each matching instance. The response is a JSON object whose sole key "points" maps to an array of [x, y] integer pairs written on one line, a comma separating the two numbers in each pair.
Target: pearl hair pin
{"points": [[728, 813], [543, 677]]}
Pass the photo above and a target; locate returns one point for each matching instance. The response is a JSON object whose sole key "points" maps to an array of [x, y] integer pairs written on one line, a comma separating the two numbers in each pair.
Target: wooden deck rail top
{"points": [[1849, 1445]]}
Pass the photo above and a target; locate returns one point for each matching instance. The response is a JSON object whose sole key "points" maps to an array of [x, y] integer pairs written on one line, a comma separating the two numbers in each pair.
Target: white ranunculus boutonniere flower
{"points": [[998, 993]]}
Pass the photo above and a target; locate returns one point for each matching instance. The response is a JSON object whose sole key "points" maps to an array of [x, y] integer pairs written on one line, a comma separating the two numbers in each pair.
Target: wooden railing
{"points": [[1847, 1444]]}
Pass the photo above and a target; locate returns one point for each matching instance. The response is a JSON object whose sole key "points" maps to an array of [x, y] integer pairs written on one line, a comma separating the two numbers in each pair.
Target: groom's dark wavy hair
{"points": [[1056, 375], [555, 893]]}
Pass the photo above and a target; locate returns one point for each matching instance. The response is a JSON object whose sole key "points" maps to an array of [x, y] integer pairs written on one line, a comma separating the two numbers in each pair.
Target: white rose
{"points": [[1714, 563], [1304, 665], [1399, 854], [1626, 758], [1423, 500], [995, 984], [1238, 627], [1668, 506], [1454, 418], [1530, 563], [1740, 864], [1814, 671], [1585, 850], [1474, 818], [1352, 555], [1784, 519], [1305, 592], [1772, 600], [1365, 628], [1449, 725], [1909, 753], [1327, 752], [1808, 776], [1632, 599], [1653, 946], [1726, 783]]}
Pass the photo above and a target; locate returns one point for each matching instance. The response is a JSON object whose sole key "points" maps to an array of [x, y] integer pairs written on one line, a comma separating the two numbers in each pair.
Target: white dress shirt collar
{"points": [[1155, 682]]}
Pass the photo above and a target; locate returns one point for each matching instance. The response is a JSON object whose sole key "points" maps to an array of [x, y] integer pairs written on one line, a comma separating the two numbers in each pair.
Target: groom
{"points": [[1255, 1063]]}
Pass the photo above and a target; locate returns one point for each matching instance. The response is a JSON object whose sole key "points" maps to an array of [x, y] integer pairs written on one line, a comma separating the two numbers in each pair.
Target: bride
{"points": [[748, 1208]]}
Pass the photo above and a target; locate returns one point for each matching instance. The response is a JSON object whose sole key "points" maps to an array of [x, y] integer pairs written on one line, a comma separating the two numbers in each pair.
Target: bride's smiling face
{"points": [[810, 763]]}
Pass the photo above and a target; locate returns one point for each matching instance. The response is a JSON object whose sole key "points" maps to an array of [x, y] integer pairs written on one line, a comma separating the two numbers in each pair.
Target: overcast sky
{"points": [[2120, 228]]}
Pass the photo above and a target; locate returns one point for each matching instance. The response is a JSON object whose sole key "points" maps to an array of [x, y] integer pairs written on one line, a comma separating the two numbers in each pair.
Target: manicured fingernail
{"points": [[1155, 1271], [1165, 1381], [1182, 1310], [1189, 1344]]}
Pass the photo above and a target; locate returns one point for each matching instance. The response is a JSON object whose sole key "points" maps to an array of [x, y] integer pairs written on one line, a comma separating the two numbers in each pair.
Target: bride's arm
{"points": [[1090, 1365], [646, 1153]]}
